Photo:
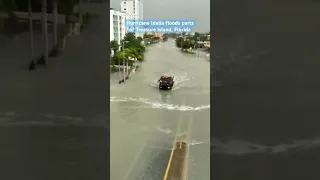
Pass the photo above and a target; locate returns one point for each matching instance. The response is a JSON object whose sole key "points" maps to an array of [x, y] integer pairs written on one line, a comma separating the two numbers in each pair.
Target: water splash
{"points": [[158, 105], [239, 147], [165, 131], [179, 79]]}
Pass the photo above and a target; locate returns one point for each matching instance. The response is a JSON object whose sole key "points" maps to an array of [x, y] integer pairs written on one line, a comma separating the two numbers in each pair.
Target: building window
{"points": [[125, 9], [124, 2]]}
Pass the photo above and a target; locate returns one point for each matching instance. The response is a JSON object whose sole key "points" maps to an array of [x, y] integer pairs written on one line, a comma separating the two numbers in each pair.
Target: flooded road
{"points": [[265, 122], [145, 122]]}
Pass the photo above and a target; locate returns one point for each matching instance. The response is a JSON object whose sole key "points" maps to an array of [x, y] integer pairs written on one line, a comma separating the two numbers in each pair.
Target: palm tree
{"points": [[138, 53], [134, 52], [114, 46], [126, 55]]}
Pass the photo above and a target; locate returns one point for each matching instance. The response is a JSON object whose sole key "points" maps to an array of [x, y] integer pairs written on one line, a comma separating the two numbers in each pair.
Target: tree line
{"points": [[133, 49], [185, 41]]}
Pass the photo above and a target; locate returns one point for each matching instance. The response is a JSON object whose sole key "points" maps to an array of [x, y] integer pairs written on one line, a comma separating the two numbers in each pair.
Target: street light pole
{"points": [[125, 74], [124, 63]]}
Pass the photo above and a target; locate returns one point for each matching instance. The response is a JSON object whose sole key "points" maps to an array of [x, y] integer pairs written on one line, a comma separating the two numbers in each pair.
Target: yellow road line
{"points": [[174, 145], [180, 144], [169, 164], [172, 150]]}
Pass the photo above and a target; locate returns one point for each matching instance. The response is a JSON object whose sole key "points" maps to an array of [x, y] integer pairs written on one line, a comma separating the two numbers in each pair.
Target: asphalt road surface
{"points": [[145, 122], [265, 95]]}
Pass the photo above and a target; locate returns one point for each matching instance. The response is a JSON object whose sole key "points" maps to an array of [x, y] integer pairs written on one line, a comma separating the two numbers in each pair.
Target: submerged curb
{"points": [[129, 75]]}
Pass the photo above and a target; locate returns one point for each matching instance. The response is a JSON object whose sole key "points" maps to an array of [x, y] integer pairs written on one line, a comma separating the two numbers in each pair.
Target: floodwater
{"points": [[146, 121], [265, 95], [54, 121]]}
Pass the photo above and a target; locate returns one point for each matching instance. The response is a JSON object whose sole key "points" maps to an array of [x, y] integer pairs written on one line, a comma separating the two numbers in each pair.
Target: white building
{"points": [[133, 9], [117, 26], [140, 10]]}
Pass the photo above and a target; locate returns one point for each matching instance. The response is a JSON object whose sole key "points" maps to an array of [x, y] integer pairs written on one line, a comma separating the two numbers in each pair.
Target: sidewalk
{"points": [[15, 51], [74, 83], [54, 121]]}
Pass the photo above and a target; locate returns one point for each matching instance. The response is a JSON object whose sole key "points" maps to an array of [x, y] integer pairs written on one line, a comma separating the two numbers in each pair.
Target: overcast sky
{"points": [[198, 10]]}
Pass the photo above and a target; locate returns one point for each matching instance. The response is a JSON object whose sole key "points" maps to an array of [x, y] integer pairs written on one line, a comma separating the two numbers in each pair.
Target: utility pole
{"points": [[32, 63], [45, 30], [125, 18]]}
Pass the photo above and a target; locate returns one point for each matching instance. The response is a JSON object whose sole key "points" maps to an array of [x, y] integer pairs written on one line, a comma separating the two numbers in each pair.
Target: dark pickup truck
{"points": [[166, 82]]}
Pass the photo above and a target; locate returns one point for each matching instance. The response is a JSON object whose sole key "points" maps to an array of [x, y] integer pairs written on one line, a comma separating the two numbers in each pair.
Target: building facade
{"points": [[117, 26], [158, 35], [133, 10]]}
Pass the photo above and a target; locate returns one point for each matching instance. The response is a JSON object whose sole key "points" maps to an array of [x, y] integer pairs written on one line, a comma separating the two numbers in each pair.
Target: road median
{"points": [[175, 167]]}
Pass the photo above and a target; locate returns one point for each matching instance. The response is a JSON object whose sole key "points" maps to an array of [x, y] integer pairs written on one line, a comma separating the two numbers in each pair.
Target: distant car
{"points": [[166, 82]]}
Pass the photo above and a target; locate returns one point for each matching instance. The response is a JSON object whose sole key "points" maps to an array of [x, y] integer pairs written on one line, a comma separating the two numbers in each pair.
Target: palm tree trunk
{"points": [[125, 65], [45, 30], [127, 68], [32, 64], [119, 69], [80, 11], [30, 30], [124, 70], [55, 22]]}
